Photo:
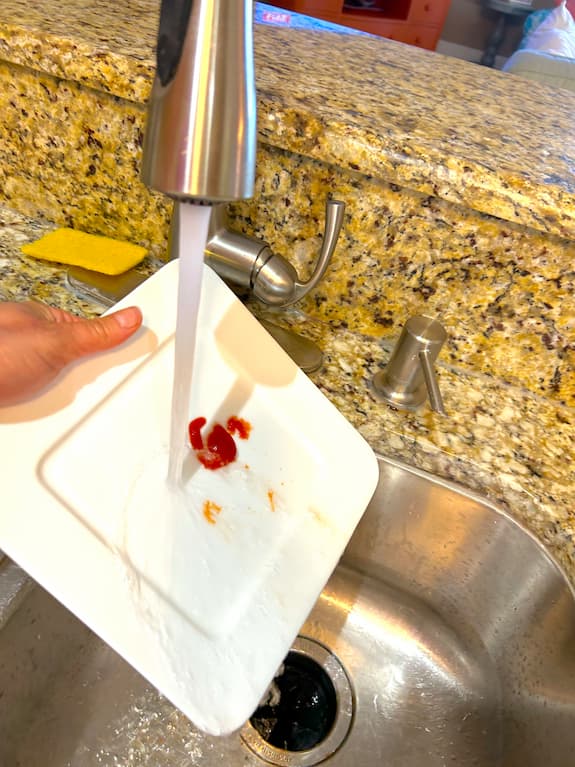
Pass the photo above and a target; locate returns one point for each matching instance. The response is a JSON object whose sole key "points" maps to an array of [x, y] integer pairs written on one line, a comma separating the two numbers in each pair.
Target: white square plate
{"points": [[215, 581]]}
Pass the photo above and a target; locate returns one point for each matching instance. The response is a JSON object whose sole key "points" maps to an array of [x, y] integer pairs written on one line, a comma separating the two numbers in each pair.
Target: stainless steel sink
{"points": [[447, 632]]}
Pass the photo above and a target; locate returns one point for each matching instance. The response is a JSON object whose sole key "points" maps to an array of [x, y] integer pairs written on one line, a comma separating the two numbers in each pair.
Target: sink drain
{"points": [[309, 713]]}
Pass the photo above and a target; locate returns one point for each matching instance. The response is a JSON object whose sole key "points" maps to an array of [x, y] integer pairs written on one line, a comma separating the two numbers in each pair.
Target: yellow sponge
{"points": [[91, 251]]}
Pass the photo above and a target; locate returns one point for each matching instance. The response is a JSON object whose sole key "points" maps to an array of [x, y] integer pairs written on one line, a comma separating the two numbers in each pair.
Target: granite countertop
{"points": [[435, 124], [508, 444]]}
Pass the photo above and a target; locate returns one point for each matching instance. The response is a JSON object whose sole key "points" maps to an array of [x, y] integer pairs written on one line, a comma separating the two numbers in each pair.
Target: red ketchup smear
{"points": [[238, 426], [194, 428], [221, 448]]}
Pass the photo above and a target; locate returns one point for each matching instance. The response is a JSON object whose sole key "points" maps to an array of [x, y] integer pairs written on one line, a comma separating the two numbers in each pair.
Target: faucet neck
{"points": [[200, 140]]}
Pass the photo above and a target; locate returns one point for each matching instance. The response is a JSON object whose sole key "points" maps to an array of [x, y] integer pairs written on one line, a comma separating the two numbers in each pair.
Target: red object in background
{"points": [[277, 17], [416, 22], [221, 449]]}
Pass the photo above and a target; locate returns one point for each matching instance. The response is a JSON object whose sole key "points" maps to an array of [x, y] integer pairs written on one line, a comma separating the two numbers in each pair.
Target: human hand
{"points": [[37, 342]]}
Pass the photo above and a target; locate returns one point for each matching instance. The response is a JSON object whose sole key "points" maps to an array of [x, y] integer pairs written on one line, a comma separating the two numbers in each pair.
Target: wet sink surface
{"points": [[453, 630]]}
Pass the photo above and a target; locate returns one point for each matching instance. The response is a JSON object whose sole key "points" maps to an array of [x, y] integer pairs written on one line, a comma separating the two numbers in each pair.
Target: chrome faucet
{"points": [[200, 143], [200, 147]]}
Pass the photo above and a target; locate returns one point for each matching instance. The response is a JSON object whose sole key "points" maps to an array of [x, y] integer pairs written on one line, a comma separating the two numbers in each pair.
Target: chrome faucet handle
{"points": [[250, 262], [410, 374], [276, 281]]}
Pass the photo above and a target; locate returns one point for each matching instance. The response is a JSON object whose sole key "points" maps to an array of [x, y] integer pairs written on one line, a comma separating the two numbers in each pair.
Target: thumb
{"points": [[97, 335]]}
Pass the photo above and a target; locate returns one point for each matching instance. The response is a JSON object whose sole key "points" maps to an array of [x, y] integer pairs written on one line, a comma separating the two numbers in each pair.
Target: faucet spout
{"points": [[200, 142]]}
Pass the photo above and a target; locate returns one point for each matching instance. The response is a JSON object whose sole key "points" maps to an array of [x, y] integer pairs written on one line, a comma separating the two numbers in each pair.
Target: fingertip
{"points": [[129, 318]]}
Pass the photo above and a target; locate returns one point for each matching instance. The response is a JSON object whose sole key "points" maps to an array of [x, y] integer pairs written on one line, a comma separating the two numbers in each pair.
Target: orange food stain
{"points": [[321, 520], [271, 499], [211, 508]]}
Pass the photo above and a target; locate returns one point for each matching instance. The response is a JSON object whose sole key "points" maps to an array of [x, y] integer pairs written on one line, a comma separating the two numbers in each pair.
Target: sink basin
{"points": [[446, 636]]}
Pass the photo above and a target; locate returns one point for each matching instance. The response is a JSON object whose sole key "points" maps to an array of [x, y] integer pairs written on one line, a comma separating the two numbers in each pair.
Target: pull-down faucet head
{"points": [[200, 142]]}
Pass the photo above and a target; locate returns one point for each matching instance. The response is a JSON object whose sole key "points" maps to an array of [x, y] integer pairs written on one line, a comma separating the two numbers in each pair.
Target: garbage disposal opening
{"points": [[302, 711], [306, 713]]}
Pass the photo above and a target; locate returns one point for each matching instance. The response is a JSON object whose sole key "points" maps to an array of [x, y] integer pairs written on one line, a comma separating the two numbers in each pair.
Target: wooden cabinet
{"points": [[417, 22]]}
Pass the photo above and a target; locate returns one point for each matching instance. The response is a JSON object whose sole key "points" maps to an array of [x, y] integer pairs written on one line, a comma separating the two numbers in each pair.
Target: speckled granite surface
{"points": [[72, 155], [504, 442], [504, 292], [434, 124]]}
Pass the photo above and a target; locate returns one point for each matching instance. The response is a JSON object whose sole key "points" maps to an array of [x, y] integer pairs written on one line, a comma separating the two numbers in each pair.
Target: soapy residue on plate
{"points": [[214, 547], [185, 555]]}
